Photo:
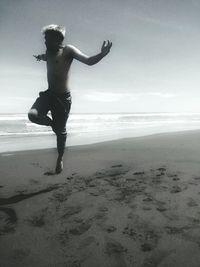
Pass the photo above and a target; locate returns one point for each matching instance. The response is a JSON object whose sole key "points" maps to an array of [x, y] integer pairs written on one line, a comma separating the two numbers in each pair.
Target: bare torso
{"points": [[58, 65]]}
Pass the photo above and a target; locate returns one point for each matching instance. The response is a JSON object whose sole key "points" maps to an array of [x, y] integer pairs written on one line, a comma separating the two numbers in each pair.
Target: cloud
{"points": [[160, 94], [162, 22], [103, 97], [115, 97]]}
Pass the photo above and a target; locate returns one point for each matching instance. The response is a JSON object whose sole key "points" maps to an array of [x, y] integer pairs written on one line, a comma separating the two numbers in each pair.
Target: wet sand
{"points": [[129, 202]]}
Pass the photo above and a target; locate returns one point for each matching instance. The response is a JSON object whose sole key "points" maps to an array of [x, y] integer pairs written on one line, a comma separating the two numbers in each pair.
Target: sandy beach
{"points": [[128, 202]]}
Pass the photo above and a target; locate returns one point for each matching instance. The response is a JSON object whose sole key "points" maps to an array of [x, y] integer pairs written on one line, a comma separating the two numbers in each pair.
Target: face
{"points": [[52, 41]]}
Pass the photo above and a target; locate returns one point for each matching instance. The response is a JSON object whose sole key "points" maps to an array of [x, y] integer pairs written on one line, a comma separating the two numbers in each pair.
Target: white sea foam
{"points": [[101, 126]]}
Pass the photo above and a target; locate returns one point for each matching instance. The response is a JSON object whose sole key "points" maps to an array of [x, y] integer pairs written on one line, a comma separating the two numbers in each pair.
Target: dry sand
{"points": [[131, 202]]}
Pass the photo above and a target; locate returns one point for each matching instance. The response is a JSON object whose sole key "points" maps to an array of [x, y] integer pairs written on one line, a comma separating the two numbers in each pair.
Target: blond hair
{"points": [[53, 27]]}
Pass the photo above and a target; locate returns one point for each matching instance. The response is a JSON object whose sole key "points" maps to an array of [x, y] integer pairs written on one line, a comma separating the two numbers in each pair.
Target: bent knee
{"points": [[32, 115]]}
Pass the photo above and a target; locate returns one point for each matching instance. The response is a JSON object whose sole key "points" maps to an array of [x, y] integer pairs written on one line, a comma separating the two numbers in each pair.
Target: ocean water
{"points": [[18, 133]]}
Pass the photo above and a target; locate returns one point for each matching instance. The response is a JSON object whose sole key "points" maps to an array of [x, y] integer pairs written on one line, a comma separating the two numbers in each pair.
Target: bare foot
{"points": [[59, 165]]}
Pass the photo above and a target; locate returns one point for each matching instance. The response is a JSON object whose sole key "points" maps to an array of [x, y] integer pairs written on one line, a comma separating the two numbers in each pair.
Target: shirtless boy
{"points": [[57, 98]]}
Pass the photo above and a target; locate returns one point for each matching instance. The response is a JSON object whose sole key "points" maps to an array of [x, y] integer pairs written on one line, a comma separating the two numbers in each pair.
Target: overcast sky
{"points": [[153, 66]]}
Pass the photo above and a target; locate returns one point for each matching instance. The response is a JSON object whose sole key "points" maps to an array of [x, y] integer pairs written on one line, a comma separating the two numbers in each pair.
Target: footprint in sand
{"points": [[63, 237], [72, 263], [197, 178], [36, 164], [176, 189], [161, 208], [88, 181], [116, 251], [147, 203], [192, 234], [156, 180], [103, 209], [101, 214], [126, 193], [148, 199], [193, 221], [146, 208], [20, 253], [131, 232], [69, 211], [174, 177], [139, 173], [33, 181], [36, 220], [192, 203], [113, 247], [161, 205], [115, 171], [147, 247], [131, 179], [99, 175], [94, 193], [62, 196], [81, 228], [8, 220], [156, 258], [50, 173], [69, 178], [92, 184], [116, 166], [172, 230], [147, 238], [108, 227], [87, 241], [131, 215], [78, 220], [161, 171]]}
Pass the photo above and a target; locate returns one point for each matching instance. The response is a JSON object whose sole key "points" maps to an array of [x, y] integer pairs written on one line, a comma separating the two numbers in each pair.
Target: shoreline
{"points": [[18, 133], [49, 148]]}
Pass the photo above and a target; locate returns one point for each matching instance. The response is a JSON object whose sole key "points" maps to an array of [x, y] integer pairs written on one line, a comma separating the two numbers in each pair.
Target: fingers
{"points": [[109, 44], [37, 57], [106, 47]]}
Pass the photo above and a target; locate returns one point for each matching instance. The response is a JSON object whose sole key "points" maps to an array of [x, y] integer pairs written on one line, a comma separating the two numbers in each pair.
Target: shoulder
{"points": [[67, 51], [71, 49]]}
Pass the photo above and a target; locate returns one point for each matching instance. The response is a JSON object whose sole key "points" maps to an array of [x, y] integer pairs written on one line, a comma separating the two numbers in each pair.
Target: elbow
{"points": [[89, 62]]}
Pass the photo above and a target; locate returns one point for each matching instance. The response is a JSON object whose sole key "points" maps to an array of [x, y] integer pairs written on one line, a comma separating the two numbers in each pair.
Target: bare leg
{"points": [[39, 119], [38, 112], [61, 141], [60, 116], [59, 111]]}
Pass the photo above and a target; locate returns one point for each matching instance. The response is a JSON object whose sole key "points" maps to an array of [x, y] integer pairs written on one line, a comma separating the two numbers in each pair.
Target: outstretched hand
{"points": [[37, 57], [105, 49]]}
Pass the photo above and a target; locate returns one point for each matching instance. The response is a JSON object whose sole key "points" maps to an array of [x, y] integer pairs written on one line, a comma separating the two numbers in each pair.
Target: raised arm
{"points": [[77, 54], [41, 57]]}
